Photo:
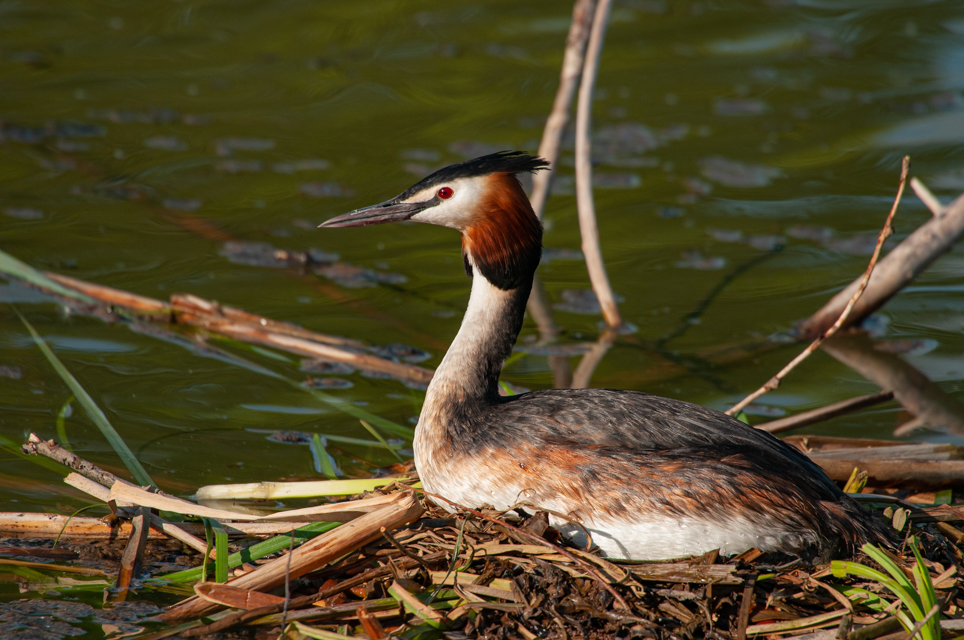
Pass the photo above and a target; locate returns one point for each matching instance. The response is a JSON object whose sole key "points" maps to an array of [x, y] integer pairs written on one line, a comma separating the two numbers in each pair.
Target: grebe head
{"points": [[481, 198]]}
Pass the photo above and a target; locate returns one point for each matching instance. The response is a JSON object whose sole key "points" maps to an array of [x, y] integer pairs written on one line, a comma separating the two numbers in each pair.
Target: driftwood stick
{"points": [[52, 450], [825, 413], [904, 263], [588, 228], [572, 63], [133, 558], [844, 315]]}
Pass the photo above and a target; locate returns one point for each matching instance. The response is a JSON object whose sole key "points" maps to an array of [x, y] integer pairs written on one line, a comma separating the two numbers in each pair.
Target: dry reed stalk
{"points": [[334, 512], [315, 553], [905, 262], [158, 523], [572, 64], [825, 413], [588, 228], [885, 233]]}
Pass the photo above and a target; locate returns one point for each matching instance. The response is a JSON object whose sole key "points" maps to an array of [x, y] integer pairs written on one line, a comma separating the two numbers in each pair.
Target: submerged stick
{"points": [[905, 262], [844, 315], [572, 63], [584, 200]]}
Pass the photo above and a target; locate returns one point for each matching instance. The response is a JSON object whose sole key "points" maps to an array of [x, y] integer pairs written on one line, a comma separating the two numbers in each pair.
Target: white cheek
{"points": [[457, 211]]}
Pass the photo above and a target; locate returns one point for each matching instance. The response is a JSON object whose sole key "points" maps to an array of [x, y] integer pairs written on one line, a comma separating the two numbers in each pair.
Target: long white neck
{"points": [[469, 372]]}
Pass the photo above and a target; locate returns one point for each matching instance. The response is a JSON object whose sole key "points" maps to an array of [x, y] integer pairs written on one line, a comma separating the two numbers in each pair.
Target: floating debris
{"points": [[124, 116], [740, 107], [352, 277], [326, 190], [766, 242], [582, 301], [166, 143], [671, 212], [309, 365], [603, 180], [179, 204], [72, 146], [725, 235], [696, 260], [227, 146], [329, 383], [402, 353], [809, 232], [11, 371], [238, 166], [24, 213], [733, 173], [311, 164]]}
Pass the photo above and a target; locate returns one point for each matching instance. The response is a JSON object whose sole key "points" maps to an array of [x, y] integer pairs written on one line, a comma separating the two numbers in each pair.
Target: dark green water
{"points": [[138, 138]]}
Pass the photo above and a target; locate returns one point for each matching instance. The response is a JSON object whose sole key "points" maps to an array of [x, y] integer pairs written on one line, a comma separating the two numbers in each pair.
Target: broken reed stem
{"points": [[540, 541], [572, 62], [588, 228], [885, 233]]}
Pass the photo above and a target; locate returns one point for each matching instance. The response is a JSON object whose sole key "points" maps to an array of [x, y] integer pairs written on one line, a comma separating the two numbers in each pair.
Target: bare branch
{"points": [[885, 233], [584, 200], [572, 62], [905, 262]]}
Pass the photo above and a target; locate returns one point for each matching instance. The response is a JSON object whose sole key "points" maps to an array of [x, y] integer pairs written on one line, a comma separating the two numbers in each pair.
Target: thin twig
{"points": [[885, 233], [825, 413], [572, 62], [923, 621], [540, 541], [584, 200], [395, 543]]}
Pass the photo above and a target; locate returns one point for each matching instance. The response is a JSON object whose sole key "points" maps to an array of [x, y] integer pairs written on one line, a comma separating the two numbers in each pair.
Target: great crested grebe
{"points": [[650, 478]]}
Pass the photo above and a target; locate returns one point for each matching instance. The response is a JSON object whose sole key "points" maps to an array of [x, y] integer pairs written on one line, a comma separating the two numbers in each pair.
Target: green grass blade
{"points": [[379, 437], [65, 411], [208, 533], [11, 266], [931, 630], [120, 447], [255, 551], [910, 598], [324, 463], [889, 565], [221, 551]]}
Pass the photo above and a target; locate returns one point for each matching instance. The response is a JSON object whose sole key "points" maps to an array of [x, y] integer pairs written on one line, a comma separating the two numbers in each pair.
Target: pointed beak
{"points": [[390, 211]]}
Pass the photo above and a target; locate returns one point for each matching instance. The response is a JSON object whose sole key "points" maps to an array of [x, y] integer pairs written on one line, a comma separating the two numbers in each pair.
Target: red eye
{"points": [[445, 193]]}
